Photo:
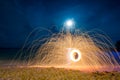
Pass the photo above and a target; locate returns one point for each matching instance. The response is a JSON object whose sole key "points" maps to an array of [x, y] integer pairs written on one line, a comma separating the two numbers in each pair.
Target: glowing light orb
{"points": [[75, 55], [69, 23]]}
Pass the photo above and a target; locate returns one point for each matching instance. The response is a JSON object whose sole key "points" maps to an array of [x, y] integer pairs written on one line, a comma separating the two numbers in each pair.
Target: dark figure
{"points": [[75, 55]]}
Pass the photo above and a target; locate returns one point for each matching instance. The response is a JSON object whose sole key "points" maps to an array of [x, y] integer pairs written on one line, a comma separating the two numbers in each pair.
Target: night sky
{"points": [[19, 17]]}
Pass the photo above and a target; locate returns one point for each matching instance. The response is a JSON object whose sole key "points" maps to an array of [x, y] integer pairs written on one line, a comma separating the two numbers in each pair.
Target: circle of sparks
{"points": [[75, 55]]}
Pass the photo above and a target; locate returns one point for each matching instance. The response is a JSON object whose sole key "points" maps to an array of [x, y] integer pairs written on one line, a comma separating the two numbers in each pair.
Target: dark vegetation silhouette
{"points": [[118, 45]]}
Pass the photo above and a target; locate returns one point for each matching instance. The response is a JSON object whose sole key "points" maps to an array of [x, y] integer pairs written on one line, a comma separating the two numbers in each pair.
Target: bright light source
{"points": [[75, 55], [69, 23]]}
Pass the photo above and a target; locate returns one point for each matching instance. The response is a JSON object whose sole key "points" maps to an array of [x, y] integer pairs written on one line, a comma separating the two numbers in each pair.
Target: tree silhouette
{"points": [[118, 45], [53, 28]]}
